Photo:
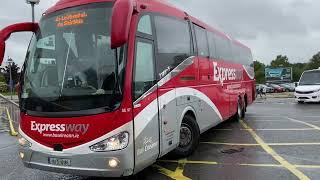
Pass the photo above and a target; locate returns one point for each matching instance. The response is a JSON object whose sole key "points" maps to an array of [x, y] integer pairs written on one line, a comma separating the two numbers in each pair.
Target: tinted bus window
{"points": [[242, 55], [202, 41], [144, 25], [212, 46], [144, 69], [236, 53], [173, 43], [223, 47]]}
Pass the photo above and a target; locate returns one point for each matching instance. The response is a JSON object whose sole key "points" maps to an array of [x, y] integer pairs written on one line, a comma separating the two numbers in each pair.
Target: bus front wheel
{"points": [[189, 137]]}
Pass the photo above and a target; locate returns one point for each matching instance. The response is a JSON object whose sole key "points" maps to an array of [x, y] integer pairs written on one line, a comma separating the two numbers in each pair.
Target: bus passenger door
{"points": [[145, 106]]}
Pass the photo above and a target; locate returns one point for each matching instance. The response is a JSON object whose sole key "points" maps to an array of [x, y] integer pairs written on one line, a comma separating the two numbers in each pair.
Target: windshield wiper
{"points": [[65, 66]]}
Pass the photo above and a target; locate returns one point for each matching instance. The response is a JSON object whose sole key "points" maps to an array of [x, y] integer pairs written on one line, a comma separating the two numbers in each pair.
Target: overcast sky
{"points": [[269, 28]]}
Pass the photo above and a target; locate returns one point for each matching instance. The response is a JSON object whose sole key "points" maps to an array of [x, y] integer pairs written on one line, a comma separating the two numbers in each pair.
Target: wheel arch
{"points": [[188, 111]]}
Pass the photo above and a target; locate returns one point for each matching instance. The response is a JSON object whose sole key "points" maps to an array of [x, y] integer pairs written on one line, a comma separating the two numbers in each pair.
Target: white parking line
{"points": [[262, 116]]}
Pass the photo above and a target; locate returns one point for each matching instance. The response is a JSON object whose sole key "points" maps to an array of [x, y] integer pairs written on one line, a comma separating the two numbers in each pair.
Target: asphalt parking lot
{"points": [[278, 139]]}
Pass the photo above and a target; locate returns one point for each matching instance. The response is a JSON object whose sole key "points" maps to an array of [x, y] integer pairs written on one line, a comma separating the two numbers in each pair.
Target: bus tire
{"points": [[243, 109], [243, 113], [238, 115], [189, 137]]}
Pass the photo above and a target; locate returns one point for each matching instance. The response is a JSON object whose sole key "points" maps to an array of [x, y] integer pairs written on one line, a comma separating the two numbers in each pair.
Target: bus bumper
{"points": [[81, 160], [96, 164]]}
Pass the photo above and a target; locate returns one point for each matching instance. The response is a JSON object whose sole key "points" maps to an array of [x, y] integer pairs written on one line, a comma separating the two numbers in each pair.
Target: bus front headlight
{"points": [[116, 142], [23, 142]]}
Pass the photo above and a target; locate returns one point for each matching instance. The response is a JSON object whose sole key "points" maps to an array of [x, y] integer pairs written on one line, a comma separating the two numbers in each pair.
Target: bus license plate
{"points": [[59, 162]]}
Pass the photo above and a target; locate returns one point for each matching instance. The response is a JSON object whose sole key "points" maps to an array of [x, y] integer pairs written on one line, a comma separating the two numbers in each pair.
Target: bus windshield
{"points": [[310, 78], [70, 66]]}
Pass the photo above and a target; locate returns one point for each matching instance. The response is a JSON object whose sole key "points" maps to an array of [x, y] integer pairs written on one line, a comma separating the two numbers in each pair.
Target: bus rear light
{"points": [[116, 142]]}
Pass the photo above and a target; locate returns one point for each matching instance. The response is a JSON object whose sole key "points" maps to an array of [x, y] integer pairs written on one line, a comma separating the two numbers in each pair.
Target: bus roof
{"points": [[161, 6]]}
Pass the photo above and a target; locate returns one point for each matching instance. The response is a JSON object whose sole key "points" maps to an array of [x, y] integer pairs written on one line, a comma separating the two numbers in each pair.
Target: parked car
{"points": [[269, 89], [287, 87], [277, 88], [308, 88], [291, 85]]}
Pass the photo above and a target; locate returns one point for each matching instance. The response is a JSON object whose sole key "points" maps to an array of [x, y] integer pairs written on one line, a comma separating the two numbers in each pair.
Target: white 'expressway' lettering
{"points": [[81, 128]]}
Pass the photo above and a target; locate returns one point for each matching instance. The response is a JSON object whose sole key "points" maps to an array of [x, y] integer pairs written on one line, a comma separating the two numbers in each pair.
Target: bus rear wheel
{"points": [[240, 113], [189, 137]]}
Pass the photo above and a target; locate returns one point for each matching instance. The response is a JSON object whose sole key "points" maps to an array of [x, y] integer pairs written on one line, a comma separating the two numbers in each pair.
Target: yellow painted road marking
{"points": [[270, 144], [240, 164], [222, 129], [286, 120], [308, 124], [267, 120], [216, 163], [275, 155], [255, 116], [230, 144], [261, 129], [293, 129], [294, 144], [12, 131], [308, 166], [177, 174], [191, 162], [261, 165]]}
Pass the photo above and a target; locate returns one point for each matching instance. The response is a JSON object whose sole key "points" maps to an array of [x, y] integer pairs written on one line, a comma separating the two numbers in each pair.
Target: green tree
{"points": [[297, 70], [259, 72], [14, 72], [314, 62], [280, 61], [2, 78]]}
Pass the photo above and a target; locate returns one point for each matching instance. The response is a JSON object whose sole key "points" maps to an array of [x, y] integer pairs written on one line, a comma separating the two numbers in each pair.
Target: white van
{"points": [[308, 89]]}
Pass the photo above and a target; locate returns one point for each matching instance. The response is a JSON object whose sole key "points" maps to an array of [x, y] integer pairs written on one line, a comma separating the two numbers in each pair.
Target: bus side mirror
{"points": [[296, 84], [120, 22], [7, 31]]}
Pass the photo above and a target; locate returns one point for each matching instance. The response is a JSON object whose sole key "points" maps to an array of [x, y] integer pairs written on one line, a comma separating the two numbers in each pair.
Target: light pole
{"points": [[33, 2], [10, 74]]}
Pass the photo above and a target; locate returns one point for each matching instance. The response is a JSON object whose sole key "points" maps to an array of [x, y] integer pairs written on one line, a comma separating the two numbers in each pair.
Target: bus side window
{"points": [[144, 25], [223, 47], [202, 41], [212, 45], [144, 76], [173, 43]]}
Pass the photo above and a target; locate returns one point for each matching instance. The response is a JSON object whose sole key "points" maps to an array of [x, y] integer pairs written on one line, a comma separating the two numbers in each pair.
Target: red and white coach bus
{"points": [[108, 87]]}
